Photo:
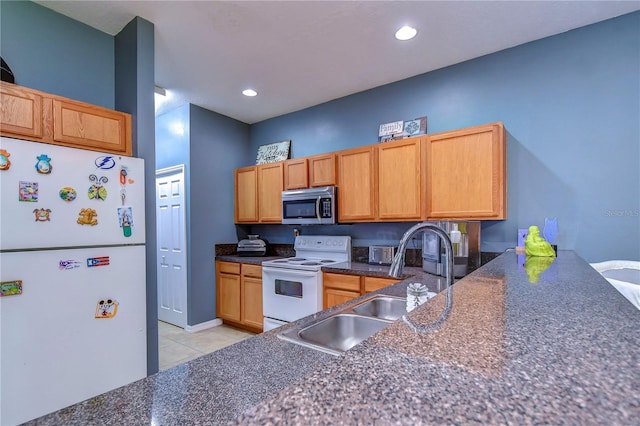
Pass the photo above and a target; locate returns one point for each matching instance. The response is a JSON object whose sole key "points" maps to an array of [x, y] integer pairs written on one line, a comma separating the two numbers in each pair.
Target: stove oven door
{"points": [[289, 294]]}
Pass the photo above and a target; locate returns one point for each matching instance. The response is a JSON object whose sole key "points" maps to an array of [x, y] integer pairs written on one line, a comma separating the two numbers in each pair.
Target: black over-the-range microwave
{"points": [[312, 206]]}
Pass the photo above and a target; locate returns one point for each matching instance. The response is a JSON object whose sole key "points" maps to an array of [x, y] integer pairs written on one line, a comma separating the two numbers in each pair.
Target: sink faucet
{"points": [[398, 264]]}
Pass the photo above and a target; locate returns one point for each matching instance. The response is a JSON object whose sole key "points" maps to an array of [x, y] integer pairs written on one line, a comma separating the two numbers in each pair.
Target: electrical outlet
{"points": [[522, 234]]}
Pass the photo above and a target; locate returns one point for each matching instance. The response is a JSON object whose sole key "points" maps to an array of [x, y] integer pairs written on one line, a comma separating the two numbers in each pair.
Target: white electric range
{"points": [[292, 287]]}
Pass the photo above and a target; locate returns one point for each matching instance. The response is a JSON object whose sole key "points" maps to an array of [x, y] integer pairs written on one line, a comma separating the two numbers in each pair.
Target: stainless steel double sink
{"points": [[347, 327]]}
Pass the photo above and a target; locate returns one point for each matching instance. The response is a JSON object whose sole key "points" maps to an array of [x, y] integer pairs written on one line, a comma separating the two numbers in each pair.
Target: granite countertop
{"points": [[519, 346]]}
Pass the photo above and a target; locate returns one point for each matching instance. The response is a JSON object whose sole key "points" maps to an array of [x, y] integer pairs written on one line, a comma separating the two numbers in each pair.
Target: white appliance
{"points": [[292, 287], [72, 275]]}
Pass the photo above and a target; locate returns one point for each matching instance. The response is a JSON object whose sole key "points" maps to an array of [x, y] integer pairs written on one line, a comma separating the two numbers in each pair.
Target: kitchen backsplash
{"points": [[413, 257]]}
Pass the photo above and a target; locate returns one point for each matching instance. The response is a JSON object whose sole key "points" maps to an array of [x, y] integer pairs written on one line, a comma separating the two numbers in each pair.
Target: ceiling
{"points": [[297, 54]]}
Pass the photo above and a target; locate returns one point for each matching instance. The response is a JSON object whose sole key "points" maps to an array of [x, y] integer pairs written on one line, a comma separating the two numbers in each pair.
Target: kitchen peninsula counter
{"points": [[519, 346]]}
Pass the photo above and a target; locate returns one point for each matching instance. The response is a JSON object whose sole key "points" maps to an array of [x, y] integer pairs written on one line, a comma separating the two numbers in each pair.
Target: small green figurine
{"points": [[535, 245]]}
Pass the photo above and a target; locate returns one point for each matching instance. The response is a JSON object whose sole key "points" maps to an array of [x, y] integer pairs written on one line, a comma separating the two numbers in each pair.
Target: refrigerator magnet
{"points": [[43, 165], [105, 162], [4, 160], [87, 217], [125, 219], [10, 288], [97, 261], [97, 190], [106, 308], [28, 191], [67, 194], [42, 215], [68, 264]]}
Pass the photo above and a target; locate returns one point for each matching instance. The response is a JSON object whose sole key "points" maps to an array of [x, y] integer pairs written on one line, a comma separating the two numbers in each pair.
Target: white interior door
{"points": [[172, 256]]}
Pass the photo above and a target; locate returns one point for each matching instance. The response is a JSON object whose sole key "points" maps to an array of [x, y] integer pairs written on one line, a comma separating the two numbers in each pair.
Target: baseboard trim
{"points": [[203, 325]]}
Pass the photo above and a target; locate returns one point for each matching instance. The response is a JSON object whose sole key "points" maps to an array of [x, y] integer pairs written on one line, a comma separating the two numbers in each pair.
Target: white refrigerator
{"points": [[72, 276]]}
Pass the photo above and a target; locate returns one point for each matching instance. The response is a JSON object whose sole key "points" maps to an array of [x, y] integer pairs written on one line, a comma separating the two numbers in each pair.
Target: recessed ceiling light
{"points": [[249, 92], [406, 33]]}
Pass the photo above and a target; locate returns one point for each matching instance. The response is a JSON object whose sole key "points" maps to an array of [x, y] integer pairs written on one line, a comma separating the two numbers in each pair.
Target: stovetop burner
{"points": [[313, 252]]}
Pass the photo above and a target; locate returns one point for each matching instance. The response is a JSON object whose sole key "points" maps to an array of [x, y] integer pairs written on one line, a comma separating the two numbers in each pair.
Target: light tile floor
{"points": [[176, 346]]}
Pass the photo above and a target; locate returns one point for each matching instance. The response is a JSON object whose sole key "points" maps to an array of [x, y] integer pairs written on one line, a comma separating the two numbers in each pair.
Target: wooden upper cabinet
{"points": [[246, 194], [400, 186], [296, 175], [466, 173], [258, 193], [88, 126], [322, 169], [309, 172], [43, 117], [357, 184], [20, 112], [270, 184]]}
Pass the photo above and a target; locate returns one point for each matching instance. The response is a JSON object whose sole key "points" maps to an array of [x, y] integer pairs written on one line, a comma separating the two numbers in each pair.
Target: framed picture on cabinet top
{"points": [[273, 152]]}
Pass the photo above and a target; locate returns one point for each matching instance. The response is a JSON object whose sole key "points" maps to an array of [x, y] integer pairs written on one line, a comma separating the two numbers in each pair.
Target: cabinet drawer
{"points": [[341, 281], [373, 284], [249, 270], [229, 268]]}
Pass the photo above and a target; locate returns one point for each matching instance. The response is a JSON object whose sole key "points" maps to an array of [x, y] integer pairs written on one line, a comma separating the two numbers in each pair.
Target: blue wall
{"points": [[53, 53], [218, 143], [210, 145], [571, 105], [134, 82]]}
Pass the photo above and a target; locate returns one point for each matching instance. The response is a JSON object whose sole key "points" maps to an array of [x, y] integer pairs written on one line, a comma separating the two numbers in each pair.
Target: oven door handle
{"points": [[284, 272]]}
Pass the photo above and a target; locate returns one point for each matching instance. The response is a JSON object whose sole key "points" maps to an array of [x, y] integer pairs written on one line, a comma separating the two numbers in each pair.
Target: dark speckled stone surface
{"points": [[562, 350]]}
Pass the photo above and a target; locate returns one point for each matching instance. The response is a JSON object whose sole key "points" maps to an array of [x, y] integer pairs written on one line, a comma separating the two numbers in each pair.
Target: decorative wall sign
{"points": [[106, 309], [4, 160], [402, 129], [97, 261], [43, 165], [10, 288], [273, 152], [28, 191], [42, 215], [87, 217], [68, 194]]}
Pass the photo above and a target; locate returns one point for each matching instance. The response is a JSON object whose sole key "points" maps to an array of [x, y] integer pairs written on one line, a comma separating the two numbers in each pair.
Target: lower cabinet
{"points": [[239, 294], [251, 300], [340, 288]]}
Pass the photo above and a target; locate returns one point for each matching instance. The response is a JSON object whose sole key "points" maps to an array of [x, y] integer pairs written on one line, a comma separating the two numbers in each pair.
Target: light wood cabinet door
{"points": [[246, 195], [296, 175], [400, 189], [228, 296], [333, 297], [322, 170], [341, 281], [88, 126], [466, 173], [252, 302], [338, 288], [357, 185], [270, 181], [21, 112], [375, 283]]}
